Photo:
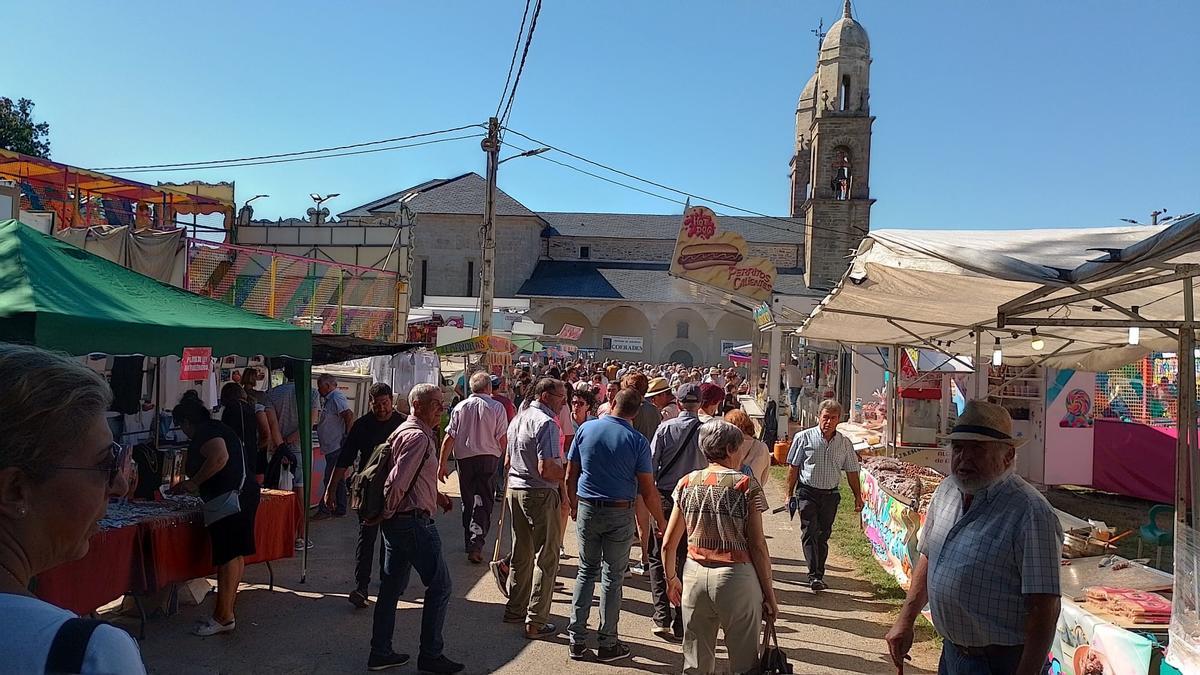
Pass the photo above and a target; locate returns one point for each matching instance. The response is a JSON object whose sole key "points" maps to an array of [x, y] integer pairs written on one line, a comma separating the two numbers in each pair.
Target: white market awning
{"points": [[932, 288]]}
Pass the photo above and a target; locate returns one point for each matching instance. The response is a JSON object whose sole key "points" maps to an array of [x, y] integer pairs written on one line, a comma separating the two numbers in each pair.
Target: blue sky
{"points": [[1022, 113]]}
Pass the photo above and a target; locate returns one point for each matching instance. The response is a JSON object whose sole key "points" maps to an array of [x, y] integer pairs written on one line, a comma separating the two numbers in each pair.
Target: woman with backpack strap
{"points": [[58, 467]]}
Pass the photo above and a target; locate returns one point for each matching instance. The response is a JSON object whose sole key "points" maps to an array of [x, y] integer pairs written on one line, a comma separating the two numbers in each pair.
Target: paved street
{"points": [[311, 628]]}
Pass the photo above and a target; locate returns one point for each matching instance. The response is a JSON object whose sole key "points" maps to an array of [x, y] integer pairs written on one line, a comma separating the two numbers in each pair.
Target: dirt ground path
{"points": [[312, 628]]}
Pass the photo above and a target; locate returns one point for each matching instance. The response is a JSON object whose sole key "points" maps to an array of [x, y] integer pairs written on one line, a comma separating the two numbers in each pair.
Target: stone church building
{"points": [[607, 272]]}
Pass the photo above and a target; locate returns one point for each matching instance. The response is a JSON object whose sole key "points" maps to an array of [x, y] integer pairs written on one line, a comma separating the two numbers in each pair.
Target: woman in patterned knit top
{"points": [[727, 577]]}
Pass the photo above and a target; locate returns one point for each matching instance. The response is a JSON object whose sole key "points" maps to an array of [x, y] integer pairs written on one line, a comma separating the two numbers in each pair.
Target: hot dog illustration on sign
{"points": [[706, 255]]}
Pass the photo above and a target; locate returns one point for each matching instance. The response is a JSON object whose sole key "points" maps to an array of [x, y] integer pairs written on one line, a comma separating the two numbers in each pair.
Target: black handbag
{"points": [[773, 660]]}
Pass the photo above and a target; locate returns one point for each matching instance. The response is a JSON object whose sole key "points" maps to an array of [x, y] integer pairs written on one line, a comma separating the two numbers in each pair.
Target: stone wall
{"points": [[658, 250], [656, 323]]}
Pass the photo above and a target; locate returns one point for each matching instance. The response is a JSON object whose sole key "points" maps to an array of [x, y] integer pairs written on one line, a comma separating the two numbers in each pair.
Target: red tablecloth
{"points": [[176, 554], [151, 555]]}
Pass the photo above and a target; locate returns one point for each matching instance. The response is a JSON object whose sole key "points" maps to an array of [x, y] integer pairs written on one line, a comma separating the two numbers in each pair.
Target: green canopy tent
{"points": [[60, 297]]}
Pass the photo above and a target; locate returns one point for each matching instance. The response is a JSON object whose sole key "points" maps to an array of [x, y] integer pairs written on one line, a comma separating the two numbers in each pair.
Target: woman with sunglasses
{"points": [[216, 464], [55, 481]]}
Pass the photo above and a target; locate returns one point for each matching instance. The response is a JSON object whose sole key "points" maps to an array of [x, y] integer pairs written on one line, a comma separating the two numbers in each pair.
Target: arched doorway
{"points": [[681, 356]]}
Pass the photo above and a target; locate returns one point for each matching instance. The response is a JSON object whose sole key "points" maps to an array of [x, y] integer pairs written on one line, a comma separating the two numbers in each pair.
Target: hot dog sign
{"points": [[706, 255]]}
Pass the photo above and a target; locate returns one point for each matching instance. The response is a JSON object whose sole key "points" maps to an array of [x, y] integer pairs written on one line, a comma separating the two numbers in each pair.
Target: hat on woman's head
{"points": [[984, 421]]}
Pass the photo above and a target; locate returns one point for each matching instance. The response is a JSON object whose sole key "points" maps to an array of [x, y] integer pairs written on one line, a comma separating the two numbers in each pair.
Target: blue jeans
{"points": [[342, 496], [793, 394], [408, 542], [605, 536], [954, 662]]}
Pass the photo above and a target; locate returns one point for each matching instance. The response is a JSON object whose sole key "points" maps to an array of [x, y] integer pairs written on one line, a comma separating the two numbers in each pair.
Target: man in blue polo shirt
{"points": [[609, 466]]}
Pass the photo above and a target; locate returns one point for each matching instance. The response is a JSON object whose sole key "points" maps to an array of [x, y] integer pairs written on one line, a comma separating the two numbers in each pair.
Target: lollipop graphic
{"points": [[1079, 410]]}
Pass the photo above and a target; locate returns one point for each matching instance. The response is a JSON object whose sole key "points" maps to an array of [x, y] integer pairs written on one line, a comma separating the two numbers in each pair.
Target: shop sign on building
{"points": [[195, 363], [729, 345], [705, 255], [622, 343], [762, 316]]}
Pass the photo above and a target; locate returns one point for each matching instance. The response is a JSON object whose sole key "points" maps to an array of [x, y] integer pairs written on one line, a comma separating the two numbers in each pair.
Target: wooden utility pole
{"points": [[490, 145]]}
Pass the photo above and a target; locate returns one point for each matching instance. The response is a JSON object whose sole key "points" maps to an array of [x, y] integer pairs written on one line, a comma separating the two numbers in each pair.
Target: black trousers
{"points": [[665, 614], [364, 555], [477, 484], [817, 509]]}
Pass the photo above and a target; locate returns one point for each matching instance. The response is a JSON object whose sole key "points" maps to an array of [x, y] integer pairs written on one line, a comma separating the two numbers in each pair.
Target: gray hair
{"points": [[326, 378], [480, 382], [41, 391], [547, 385], [830, 404], [421, 393], [718, 438]]}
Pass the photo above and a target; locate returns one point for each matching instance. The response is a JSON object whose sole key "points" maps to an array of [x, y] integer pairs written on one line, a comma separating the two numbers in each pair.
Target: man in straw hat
{"points": [[990, 552]]}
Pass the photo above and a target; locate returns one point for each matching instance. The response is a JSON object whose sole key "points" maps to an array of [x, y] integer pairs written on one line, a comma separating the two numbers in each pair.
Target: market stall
{"points": [[1079, 300], [59, 297], [145, 547]]}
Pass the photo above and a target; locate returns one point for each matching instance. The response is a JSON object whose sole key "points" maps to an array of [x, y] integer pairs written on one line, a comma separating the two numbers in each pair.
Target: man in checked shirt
{"points": [[990, 551], [818, 457]]}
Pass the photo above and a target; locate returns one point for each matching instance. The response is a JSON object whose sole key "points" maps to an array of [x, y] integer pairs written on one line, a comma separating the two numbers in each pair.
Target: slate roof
{"points": [[463, 194], [642, 282], [655, 226]]}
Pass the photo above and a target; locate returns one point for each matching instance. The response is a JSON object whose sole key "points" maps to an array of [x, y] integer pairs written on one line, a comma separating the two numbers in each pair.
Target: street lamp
{"points": [[527, 153], [253, 198], [317, 213]]}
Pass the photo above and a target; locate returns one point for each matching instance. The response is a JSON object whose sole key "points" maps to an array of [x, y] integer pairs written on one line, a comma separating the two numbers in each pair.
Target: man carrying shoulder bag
{"points": [[675, 452]]}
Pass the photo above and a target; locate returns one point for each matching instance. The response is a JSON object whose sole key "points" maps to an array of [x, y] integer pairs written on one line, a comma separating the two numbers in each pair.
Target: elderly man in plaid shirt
{"points": [[990, 552]]}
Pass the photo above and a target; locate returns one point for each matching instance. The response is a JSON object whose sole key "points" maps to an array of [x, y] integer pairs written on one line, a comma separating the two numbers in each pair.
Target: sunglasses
{"points": [[111, 465]]}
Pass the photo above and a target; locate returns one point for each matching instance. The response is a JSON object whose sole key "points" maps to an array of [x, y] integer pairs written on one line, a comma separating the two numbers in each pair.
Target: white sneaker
{"points": [[302, 544], [213, 627]]}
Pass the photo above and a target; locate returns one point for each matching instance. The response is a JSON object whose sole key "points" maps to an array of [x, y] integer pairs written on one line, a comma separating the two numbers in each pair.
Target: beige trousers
{"points": [[726, 597]]}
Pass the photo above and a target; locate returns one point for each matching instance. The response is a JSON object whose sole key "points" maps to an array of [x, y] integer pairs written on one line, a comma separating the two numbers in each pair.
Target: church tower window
{"points": [[844, 96]]}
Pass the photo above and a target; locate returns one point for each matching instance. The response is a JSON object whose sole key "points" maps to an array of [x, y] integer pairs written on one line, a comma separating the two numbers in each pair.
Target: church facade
{"points": [[607, 272]]}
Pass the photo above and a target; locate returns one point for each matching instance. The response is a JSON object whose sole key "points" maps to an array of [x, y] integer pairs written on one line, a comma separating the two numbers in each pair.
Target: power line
{"points": [[697, 197], [288, 154], [725, 216], [537, 9], [513, 61], [301, 159]]}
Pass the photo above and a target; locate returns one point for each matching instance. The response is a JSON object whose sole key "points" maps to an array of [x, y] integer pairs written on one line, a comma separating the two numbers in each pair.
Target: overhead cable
{"points": [[310, 157], [288, 154]]}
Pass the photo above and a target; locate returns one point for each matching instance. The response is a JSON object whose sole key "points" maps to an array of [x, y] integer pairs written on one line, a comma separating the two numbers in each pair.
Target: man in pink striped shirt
{"points": [[411, 539]]}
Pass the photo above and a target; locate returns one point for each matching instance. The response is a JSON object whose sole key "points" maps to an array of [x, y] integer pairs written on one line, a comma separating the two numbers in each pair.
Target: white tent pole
{"points": [[980, 369], [773, 364], [893, 395], [1185, 465]]}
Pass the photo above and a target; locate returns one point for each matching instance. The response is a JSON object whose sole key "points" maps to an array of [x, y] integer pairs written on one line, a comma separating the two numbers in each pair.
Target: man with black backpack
{"points": [[410, 536], [368, 432], [674, 452]]}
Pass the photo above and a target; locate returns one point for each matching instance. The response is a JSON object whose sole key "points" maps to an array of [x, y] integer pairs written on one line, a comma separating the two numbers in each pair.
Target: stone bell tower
{"points": [[831, 168]]}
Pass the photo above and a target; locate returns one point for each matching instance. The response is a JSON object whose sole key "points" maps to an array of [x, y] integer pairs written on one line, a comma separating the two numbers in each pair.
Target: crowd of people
{"points": [[633, 454], [661, 457]]}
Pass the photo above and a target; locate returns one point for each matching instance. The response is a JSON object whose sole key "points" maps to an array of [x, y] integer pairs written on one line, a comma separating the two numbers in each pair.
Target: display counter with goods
{"points": [[1115, 611]]}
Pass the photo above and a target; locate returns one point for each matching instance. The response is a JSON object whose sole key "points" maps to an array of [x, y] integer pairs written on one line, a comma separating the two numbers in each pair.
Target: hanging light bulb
{"points": [[997, 355], [1135, 333], [1036, 343]]}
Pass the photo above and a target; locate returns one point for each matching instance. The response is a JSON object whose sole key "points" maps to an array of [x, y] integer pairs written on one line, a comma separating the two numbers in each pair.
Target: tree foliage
{"points": [[18, 131]]}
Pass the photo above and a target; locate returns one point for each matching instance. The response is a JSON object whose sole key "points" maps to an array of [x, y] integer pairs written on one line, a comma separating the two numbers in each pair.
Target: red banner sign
{"points": [[570, 332], [195, 363]]}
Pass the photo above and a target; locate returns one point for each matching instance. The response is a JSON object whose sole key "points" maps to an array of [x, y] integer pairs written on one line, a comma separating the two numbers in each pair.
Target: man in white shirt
{"points": [[477, 435], [818, 458], [333, 425], [794, 380]]}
